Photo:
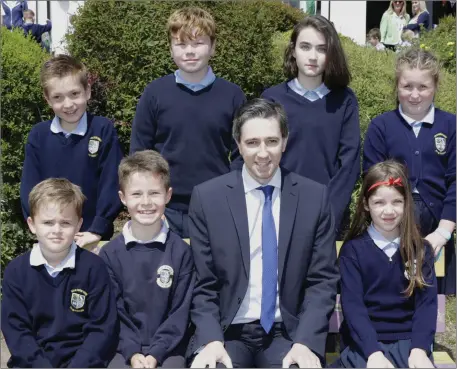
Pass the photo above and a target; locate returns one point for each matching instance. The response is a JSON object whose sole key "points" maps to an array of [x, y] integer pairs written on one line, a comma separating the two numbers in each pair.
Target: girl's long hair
{"points": [[336, 72], [412, 248]]}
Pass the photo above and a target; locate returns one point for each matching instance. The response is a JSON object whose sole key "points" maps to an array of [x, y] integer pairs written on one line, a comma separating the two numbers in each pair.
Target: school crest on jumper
{"points": [[165, 276], [407, 270], [77, 300], [94, 146], [440, 143]]}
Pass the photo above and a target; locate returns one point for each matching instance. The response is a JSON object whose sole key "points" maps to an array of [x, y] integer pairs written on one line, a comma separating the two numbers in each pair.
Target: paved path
{"points": [[5, 354]]}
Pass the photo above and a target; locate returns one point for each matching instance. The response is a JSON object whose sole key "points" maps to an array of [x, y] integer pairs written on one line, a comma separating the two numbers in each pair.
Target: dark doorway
{"points": [[441, 9], [375, 10]]}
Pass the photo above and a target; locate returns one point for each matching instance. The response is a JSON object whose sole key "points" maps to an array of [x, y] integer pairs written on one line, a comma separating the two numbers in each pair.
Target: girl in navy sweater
{"points": [[423, 138], [323, 113], [388, 283]]}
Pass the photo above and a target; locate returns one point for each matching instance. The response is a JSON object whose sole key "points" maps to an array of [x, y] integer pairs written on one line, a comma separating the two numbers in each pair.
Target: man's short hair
{"points": [[259, 108], [58, 191], [184, 22], [28, 14], [61, 66], [146, 161]]}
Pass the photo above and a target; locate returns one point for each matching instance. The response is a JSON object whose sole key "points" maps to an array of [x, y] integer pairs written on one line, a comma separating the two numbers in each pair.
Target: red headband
{"points": [[390, 182]]}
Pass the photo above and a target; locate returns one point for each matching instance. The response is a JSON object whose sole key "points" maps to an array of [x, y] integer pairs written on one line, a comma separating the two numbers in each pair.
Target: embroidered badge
{"points": [[94, 146], [165, 276], [440, 143], [77, 301], [407, 271]]}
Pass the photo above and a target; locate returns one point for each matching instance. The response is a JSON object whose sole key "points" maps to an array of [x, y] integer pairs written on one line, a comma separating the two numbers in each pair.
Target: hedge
{"points": [[22, 106]]}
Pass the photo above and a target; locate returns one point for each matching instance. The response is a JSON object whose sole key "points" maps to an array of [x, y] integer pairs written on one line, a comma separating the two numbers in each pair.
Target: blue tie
{"points": [[269, 262]]}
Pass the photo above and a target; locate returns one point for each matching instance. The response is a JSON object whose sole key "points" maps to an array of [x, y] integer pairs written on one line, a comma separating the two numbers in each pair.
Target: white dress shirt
{"points": [[389, 247], [80, 129], [37, 258], [250, 308], [129, 237]]}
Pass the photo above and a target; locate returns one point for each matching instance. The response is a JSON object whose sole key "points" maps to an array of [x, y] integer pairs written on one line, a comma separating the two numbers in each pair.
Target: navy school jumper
{"points": [[192, 131], [66, 321], [90, 161], [154, 313], [374, 306], [324, 141]]}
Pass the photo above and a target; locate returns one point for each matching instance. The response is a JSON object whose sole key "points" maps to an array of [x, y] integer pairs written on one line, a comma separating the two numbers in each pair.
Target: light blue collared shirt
{"points": [[37, 258], [389, 247], [311, 95], [80, 129], [129, 237], [205, 82]]}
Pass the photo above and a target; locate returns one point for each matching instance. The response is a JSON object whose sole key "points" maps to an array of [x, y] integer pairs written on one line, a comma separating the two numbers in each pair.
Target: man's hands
{"points": [[302, 356], [141, 361], [213, 353], [83, 239], [378, 360], [418, 359]]}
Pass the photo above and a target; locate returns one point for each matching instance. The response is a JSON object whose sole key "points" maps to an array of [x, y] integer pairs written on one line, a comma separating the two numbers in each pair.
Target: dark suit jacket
{"points": [[307, 269]]}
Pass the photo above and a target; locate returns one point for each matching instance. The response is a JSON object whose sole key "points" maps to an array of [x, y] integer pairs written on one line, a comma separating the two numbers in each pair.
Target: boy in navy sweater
{"points": [[187, 116], [75, 145], [151, 269], [58, 309], [36, 30]]}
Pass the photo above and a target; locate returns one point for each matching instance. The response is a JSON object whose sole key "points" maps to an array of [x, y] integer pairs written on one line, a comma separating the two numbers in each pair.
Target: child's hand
{"points": [[378, 360], [87, 240], [437, 241], [138, 361], [418, 359], [152, 362]]}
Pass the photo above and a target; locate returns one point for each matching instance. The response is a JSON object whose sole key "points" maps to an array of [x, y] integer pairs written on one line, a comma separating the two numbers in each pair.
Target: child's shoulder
{"points": [[38, 128], [354, 247], [177, 242], [228, 85], [275, 90], [18, 266], [442, 115], [161, 82], [386, 117], [113, 246], [87, 260]]}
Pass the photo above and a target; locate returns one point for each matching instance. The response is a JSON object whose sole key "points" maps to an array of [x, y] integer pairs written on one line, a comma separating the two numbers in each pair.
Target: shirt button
{"points": [[431, 204], [224, 327], [416, 153], [239, 300]]}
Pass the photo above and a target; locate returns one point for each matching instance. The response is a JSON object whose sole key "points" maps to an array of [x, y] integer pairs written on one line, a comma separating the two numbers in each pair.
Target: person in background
{"points": [[13, 16], [36, 30], [421, 18], [392, 22], [374, 39]]}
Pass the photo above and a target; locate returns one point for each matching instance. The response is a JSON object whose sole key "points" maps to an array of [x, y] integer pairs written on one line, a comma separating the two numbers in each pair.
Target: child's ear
{"points": [[31, 225], [169, 193], [213, 48], [80, 223], [88, 91], [365, 205], [45, 95], [122, 197]]}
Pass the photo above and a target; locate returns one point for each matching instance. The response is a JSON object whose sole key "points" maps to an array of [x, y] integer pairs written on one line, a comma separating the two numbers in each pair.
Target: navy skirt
{"points": [[397, 352], [427, 224]]}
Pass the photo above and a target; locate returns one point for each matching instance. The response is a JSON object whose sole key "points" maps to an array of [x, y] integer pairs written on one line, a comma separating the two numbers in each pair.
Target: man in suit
{"points": [[264, 249]]}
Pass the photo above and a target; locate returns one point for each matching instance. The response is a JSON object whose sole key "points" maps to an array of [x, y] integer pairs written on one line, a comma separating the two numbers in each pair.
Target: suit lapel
{"points": [[288, 209], [237, 202]]}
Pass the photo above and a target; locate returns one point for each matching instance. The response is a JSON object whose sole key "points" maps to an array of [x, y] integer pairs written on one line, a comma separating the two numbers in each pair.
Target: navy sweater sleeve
{"points": [[102, 331], [108, 202], [374, 148], [172, 330], [144, 124], [355, 312], [343, 182], [423, 19], [39, 29], [449, 211], [17, 324], [129, 336], [425, 306], [30, 170], [236, 161]]}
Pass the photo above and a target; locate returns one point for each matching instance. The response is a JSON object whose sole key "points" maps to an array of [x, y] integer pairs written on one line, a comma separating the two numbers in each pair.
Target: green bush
{"points": [[441, 41], [373, 79], [125, 45], [22, 106]]}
